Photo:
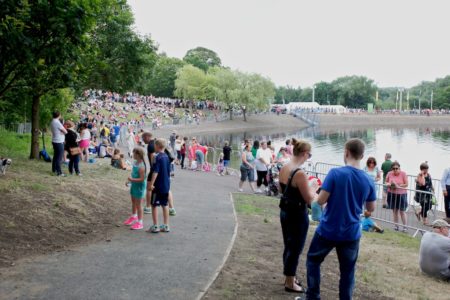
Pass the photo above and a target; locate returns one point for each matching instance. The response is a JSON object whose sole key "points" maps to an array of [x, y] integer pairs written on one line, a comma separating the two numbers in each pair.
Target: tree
{"points": [[161, 82], [190, 83], [253, 92], [226, 88], [354, 91], [41, 43], [118, 59], [202, 58]]}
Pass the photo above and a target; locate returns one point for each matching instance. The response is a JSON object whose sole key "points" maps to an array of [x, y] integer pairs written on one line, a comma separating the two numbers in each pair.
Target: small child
{"points": [[369, 225], [138, 190], [220, 166], [160, 187]]}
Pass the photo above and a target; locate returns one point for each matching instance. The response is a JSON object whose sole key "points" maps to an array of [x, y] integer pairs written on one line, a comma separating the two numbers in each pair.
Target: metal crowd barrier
{"points": [[404, 205], [322, 167]]}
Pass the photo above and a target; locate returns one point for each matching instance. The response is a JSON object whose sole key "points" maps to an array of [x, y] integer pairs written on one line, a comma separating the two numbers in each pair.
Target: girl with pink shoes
{"points": [[138, 190]]}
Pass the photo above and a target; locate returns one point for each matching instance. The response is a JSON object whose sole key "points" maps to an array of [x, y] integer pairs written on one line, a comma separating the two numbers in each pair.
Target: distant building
{"points": [[313, 107]]}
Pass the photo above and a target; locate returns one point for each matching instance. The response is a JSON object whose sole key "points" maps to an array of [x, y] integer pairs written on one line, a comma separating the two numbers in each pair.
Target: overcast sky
{"points": [[394, 42]]}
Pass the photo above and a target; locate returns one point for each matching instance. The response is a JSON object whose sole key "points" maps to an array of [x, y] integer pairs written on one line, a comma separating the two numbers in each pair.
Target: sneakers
{"points": [[130, 221], [258, 191], [164, 228], [172, 212], [137, 225], [147, 210], [154, 229], [241, 190]]}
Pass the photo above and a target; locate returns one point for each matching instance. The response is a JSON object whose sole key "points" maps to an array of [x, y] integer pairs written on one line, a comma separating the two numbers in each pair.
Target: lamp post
{"points": [[314, 93]]}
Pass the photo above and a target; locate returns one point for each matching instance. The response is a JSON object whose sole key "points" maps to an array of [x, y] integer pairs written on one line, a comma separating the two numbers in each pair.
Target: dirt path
{"points": [[139, 265]]}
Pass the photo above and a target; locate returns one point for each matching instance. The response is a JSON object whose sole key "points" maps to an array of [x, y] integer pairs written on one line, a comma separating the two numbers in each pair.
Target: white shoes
{"points": [[240, 190]]}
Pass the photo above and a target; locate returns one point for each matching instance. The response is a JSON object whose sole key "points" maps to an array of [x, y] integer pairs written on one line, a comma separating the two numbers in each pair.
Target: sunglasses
{"points": [[371, 162]]}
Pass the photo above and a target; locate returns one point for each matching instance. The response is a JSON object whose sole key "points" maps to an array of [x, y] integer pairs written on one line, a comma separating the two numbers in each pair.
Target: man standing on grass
{"points": [[58, 138], [386, 168], [345, 191]]}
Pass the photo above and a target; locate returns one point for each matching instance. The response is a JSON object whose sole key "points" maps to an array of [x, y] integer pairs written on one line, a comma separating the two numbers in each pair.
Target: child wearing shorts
{"points": [[160, 187], [138, 190]]}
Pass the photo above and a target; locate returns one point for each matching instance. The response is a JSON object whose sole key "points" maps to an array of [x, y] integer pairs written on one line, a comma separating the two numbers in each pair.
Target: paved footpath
{"points": [[140, 265]]}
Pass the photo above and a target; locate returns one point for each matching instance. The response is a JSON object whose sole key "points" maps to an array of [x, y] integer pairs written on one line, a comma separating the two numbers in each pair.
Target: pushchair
{"points": [[273, 189]]}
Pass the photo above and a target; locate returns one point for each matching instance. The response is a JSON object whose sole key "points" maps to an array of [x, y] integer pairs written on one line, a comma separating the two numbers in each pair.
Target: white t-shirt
{"points": [[265, 154], [85, 134], [57, 135]]}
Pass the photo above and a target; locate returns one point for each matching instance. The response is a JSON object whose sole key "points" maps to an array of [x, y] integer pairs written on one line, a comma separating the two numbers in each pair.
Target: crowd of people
{"points": [[337, 203]]}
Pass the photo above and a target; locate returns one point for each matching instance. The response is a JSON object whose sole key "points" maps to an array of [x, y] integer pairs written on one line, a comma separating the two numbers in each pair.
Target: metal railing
{"points": [[402, 211], [20, 128], [322, 167]]}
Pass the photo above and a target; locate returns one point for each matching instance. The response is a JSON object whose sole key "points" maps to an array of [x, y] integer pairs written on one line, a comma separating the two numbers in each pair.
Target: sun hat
{"points": [[440, 223]]}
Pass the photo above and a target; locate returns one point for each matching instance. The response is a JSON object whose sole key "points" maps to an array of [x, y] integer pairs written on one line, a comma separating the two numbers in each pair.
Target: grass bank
{"points": [[43, 213], [387, 264]]}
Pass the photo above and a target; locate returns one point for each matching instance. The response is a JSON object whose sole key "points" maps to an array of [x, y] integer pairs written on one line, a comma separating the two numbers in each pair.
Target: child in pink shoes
{"points": [[138, 190]]}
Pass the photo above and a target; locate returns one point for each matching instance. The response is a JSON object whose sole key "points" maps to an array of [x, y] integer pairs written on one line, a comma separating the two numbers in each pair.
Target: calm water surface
{"points": [[409, 147]]}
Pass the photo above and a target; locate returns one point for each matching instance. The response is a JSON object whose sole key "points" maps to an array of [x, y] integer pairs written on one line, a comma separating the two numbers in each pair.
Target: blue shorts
{"points": [[247, 173], [160, 199], [226, 163], [200, 157], [397, 201]]}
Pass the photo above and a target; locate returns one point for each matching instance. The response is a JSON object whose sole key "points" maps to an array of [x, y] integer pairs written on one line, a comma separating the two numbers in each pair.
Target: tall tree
{"points": [[161, 82], [202, 58], [190, 83], [40, 47], [226, 88]]}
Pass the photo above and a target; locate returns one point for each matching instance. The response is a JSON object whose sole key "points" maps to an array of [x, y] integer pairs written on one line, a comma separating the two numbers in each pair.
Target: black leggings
{"points": [[426, 206], [262, 177], [447, 202], [183, 156]]}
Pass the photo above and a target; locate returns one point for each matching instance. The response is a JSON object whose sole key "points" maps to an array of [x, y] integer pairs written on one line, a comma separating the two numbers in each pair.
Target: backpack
{"points": [[43, 153]]}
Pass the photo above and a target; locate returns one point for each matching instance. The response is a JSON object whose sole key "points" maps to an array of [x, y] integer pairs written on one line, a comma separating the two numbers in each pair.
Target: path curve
{"points": [[140, 265]]}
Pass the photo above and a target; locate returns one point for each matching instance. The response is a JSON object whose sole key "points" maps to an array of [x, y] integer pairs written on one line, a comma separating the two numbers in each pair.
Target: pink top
{"points": [[401, 178]]}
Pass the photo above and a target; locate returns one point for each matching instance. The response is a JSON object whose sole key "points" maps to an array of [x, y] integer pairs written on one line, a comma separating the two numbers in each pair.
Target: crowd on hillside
{"points": [[109, 107]]}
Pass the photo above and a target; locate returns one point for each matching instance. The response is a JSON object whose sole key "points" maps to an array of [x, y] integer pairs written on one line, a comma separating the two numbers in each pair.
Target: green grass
{"points": [[17, 146], [395, 238]]}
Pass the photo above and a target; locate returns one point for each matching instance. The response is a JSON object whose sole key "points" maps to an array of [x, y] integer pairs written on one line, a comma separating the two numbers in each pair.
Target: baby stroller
{"points": [[273, 189]]}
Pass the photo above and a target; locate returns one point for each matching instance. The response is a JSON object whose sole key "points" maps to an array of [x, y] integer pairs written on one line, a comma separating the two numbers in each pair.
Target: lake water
{"points": [[410, 147]]}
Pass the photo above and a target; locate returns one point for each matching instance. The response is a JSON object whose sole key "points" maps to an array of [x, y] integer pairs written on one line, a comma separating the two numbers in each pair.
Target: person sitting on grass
{"points": [[434, 253], [118, 160], [160, 187], [370, 225]]}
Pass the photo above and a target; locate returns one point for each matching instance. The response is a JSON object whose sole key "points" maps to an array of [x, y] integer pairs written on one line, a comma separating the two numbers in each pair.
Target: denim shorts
{"points": [[226, 163], [247, 173], [397, 201], [200, 157]]}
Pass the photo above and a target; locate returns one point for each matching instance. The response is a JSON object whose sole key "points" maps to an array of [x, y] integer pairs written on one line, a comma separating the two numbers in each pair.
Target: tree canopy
{"points": [[202, 58]]}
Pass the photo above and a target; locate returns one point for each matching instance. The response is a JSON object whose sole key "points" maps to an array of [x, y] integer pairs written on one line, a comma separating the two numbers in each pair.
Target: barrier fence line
{"points": [[322, 167], [407, 204]]}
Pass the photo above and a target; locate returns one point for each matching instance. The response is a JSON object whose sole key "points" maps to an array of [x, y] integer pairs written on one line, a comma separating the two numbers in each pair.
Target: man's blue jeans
{"points": [[58, 154], [347, 252]]}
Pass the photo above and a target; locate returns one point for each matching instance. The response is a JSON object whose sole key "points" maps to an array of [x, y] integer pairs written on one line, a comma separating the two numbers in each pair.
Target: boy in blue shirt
{"points": [[160, 186], [368, 224], [345, 191]]}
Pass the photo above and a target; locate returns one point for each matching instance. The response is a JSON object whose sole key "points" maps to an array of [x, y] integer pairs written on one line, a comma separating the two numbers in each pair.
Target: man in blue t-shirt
{"points": [[345, 191], [160, 186]]}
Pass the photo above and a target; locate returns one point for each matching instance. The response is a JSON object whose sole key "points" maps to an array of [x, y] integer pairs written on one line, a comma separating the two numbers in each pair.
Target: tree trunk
{"points": [[34, 151], [231, 113], [244, 110]]}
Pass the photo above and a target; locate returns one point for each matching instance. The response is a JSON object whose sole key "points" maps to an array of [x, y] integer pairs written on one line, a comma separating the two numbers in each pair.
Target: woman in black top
{"points": [[297, 195], [71, 142], [424, 183]]}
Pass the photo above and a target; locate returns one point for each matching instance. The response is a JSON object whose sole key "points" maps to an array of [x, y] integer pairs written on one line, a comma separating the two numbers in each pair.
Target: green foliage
{"points": [[190, 83], [17, 146], [161, 82], [59, 100], [202, 58], [118, 59]]}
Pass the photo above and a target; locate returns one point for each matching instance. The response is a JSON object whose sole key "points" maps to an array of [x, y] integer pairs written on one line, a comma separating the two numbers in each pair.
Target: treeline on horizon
{"points": [[358, 91], [50, 52]]}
